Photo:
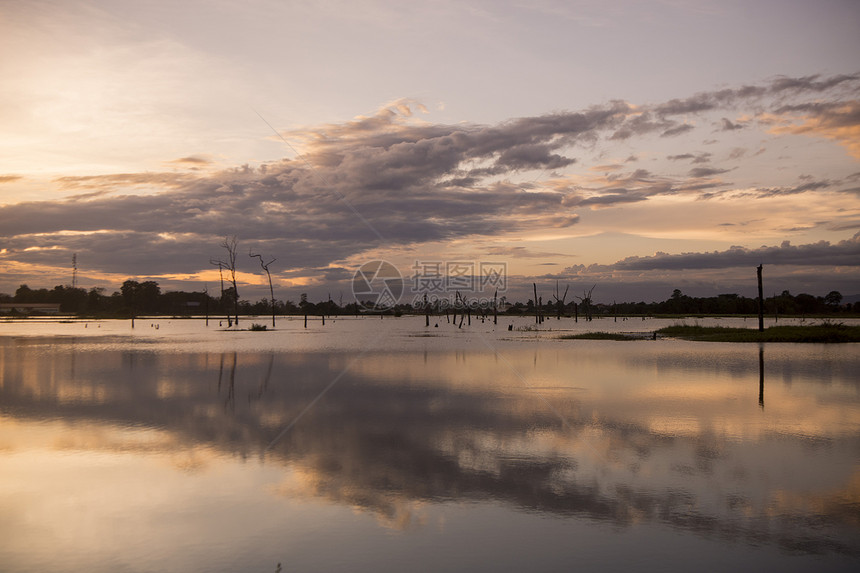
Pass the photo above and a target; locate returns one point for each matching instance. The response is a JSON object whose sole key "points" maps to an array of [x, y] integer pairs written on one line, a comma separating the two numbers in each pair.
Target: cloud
{"points": [[10, 178], [822, 253], [522, 252], [193, 162], [802, 188], [839, 121], [698, 172], [698, 158], [677, 130], [728, 125]]}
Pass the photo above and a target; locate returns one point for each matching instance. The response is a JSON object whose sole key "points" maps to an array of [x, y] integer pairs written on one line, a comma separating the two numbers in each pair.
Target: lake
{"points": [[371, 444]]}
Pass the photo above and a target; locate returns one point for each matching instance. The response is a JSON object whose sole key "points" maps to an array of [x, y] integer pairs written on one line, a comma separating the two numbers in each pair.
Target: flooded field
{"points": [[385, 445]]}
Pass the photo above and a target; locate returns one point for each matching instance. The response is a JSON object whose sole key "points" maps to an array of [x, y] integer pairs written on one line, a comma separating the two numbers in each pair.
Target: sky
{"points": [[633, 147]]}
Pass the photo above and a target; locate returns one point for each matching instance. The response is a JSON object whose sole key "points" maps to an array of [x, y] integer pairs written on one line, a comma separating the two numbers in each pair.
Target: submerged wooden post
{"points": [[495, 308], [760, 302], [468, 311]]}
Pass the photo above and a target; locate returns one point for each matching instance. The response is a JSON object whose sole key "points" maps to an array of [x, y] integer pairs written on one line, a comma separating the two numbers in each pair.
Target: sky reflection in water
{"points": [[528, 453]]}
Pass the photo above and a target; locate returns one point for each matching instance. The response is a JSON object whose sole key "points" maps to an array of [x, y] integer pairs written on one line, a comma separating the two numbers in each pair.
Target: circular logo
{"points": [[377, 285]]}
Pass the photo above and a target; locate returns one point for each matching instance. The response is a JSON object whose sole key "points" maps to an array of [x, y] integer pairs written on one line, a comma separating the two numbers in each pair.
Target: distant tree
{"points": [[833, 298], [806, 303], [141, 297], [148, 296], [71, 299], [129, 290], [23, 294]]}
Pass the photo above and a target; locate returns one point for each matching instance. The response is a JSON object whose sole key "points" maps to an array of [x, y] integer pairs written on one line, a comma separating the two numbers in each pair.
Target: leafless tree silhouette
{"points": [[560, 301], [271, 289], [585, 300], [220, 265], [231, 245]]}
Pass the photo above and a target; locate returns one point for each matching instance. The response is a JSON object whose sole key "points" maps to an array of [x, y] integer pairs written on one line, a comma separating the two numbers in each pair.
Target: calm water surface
{"points": [[382, 445]]}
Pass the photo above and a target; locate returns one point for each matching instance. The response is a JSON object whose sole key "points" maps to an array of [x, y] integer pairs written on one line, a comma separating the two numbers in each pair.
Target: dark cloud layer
{"points": [[822, 253]]}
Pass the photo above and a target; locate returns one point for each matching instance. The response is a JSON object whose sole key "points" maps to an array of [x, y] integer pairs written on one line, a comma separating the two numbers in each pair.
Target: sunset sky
{"points": [[640, 146]]}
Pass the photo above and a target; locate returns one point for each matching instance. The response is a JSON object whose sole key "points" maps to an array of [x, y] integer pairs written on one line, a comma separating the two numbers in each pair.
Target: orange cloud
{"points": [[840, 122]]}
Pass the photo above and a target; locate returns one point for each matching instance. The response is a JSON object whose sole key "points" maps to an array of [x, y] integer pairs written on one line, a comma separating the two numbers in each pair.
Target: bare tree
{"points": [[585, 300], [220, 265], [231, 245], [560, 301], [271, 289]]}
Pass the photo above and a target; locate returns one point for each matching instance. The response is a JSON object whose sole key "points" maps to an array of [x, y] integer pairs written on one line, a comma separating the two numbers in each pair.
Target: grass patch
{"points": [[600, 336], [824, 332]]}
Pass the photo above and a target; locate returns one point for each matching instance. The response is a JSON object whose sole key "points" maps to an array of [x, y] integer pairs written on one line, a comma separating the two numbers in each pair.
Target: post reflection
{"points": [[761, 377], [660, 437]]}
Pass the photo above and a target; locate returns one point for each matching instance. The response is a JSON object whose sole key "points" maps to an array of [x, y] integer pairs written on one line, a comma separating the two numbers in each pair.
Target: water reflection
{"points": [[625, 435], [761, 376]]}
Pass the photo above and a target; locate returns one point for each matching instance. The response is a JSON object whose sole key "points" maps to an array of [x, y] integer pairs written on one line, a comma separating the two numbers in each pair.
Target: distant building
{"points": [[30, 307]]}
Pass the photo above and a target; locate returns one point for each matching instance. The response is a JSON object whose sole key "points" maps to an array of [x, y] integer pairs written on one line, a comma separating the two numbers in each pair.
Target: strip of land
{"points": [[824, 332]]}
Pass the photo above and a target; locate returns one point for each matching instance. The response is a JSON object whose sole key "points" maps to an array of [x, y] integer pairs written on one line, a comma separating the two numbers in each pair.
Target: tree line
{"points": [[146, 298]]}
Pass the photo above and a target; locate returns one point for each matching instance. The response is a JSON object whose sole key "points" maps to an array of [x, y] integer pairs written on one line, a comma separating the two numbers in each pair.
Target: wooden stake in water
{"points": [[760, 301], [495, 308]]}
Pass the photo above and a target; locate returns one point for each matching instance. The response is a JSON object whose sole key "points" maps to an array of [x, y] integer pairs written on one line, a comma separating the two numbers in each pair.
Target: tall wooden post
{"points": [[495, 308], [760, 301]]}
